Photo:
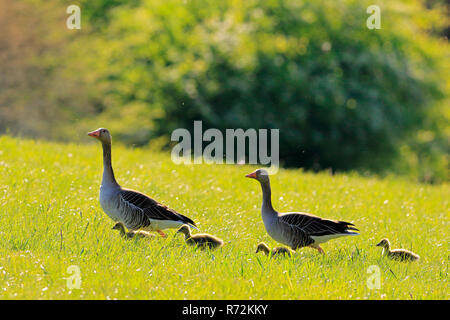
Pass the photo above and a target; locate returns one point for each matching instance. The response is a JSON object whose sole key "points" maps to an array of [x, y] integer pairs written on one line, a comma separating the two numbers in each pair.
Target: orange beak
{"points": [[251, 175], [95, 134]]}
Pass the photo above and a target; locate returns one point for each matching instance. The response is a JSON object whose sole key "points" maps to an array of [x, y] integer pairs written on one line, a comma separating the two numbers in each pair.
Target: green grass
{"points": [[50, 219]]}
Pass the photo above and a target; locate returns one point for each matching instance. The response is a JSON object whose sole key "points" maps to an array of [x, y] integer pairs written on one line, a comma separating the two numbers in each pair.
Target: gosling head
{"points": [[261, 175], [185, 230], [101, 134], [119, 226], [384, 243], [262, 247]]}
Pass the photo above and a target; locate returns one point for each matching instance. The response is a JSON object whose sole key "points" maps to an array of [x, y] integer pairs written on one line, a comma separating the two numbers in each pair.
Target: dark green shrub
{"points": [[343, 96]]}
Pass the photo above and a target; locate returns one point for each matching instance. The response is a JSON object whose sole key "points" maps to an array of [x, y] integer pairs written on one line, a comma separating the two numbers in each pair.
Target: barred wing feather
{"points": [[312, 225], [151, 208]]}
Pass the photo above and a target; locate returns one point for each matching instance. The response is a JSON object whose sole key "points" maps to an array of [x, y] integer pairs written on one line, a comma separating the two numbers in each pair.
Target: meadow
{"points": [[50, 219]]}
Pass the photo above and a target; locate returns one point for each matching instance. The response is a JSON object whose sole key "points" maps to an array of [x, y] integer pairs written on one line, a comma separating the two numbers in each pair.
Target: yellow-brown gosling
{"points": [[131, 234], [397, 254], [201, 240], [275, 251]]}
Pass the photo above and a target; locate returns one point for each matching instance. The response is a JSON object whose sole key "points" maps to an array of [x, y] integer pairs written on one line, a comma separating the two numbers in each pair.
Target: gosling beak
{"points": [[94, 134], [251, 175], [378, 244]]}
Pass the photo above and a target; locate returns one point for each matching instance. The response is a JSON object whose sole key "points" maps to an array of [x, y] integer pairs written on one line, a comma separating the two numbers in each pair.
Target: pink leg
{"points": [[317, 247], [162, 234], [320, 250]]}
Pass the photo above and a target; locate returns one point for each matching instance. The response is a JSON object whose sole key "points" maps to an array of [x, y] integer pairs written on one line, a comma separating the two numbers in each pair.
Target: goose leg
{"points": [[320, 250], [317, 247], [162, 234]]}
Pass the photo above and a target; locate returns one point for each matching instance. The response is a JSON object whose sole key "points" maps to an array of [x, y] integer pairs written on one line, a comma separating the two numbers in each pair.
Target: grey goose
{"points": [[297, 229], [134, 209], [397, 254]]}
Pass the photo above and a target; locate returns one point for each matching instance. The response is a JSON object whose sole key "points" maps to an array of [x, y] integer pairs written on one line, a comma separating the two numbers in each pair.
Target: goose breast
{"points": [[109, 201]]}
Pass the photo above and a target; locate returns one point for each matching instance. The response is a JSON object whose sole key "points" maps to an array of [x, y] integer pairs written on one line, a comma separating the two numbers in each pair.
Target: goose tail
{"points": [[188, 221]]}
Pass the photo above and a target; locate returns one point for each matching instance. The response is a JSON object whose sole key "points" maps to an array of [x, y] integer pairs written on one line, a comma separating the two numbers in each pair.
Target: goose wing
{"points": [[152, 208], [314, 226]]}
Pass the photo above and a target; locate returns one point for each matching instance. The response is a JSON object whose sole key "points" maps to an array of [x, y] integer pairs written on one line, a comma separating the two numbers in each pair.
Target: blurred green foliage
{"points": [[343, 96]]}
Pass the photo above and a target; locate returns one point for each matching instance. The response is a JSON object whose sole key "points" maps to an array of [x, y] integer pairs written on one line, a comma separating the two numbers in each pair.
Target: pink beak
{"points": [[95, 134], [251, 175]]}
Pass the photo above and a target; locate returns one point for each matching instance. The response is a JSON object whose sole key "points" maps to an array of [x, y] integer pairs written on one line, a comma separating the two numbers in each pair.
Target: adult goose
{"points": [[134, 209], [297, 229]]}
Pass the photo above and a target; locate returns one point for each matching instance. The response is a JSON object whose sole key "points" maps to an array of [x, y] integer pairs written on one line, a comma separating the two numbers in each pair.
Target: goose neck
{"points": [[265, 249], [386, 250], [267, 196], [122, 230], [108, 173]]}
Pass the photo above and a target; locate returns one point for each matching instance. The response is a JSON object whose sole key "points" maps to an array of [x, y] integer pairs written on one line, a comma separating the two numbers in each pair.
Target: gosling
{"points": [[132, 234], [397, 254], [275, 251], [201, 240]]}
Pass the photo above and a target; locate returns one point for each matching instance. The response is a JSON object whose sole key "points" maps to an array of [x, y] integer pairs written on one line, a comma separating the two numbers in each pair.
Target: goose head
{"points": [[101, 134], [119, 226], [262, 247], [185, 230], [384, 243], [261, 175]]}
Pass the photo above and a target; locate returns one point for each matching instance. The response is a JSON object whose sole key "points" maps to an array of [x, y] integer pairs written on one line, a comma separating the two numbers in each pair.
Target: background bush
{"points": [[343, 96]]}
